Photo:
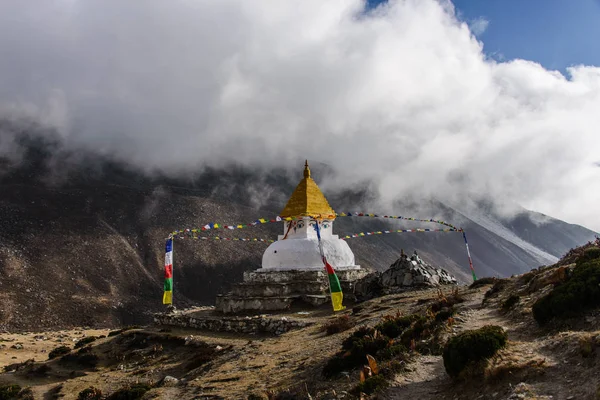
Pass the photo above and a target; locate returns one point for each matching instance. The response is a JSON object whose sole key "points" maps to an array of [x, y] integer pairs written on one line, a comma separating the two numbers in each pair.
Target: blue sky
{"points": [[554, 33]]}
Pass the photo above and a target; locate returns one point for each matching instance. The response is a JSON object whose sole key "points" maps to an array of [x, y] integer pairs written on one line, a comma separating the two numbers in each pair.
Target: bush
{"points": [[482, 282], [471, 347], [498, 286], [90, 393], [590, 254], [509, 303], [579, 293], [357, 354], [446, 301], [82, 359], [335, 365], [200, 358], [444, 314], [356, 335], [26, 394], [9, 392], [133, 392], [337, 325], [85, 341], [393, 327], [59, 351], [368, 345], [392, 351], [371, 385], [415, 331]]}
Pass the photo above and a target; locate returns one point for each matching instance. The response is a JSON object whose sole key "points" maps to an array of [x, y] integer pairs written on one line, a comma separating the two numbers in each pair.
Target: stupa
{"points": [[292, 269]]}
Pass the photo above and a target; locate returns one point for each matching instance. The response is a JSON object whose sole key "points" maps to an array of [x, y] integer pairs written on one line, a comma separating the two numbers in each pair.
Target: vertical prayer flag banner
{"points": [[168, 287], [337, 297], [469, 255]]}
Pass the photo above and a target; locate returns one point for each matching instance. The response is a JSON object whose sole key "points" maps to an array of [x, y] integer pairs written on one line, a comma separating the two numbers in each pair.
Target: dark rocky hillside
{"points": [[82, 236]]}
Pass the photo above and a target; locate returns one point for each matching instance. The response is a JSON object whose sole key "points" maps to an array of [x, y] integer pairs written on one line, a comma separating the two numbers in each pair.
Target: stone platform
{"points": [[272, 290]]}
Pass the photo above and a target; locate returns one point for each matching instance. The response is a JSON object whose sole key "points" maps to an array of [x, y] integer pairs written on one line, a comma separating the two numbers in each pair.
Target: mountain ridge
{"points": [[82, 236]]}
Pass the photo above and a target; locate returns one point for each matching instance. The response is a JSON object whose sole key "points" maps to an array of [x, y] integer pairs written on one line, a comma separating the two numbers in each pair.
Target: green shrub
{"points": [[356, 335], [59, 351], [590, 254], [367, 345], [336, 365], [444, 314], [133, 392], [26, 394], [483, 281], [9, 392], [82, 359], [339, 324], [471, 347], [579, 293], [415, 331], [498, 286], [509, 303], [357, 354], [90, 393], [390, 352], [201, 357], [393, 327], [392, 368], [371, 385], [84, 341]]}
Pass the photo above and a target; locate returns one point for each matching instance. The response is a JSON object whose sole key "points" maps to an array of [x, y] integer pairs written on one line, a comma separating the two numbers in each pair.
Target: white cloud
{"points": [[403, 96], [479, 25]]}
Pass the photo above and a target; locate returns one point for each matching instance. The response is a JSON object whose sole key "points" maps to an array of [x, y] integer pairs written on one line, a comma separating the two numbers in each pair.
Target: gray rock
{"points": [[403, 274], [169, 381]]}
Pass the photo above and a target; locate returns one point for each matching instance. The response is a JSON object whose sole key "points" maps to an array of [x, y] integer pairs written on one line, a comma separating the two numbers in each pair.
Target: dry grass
{"points": [[338, 324], [505, 366]]}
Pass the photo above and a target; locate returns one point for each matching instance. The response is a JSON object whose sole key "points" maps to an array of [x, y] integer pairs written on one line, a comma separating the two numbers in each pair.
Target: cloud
{"points": [[479, 25], [402, 96]]}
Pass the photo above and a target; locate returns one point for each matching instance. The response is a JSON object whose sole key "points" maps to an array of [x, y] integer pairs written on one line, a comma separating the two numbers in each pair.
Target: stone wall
{"points": [[248, 325]]}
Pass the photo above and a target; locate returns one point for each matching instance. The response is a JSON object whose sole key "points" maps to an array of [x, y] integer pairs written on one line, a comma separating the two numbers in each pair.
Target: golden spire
{"points": [[307, 200]]}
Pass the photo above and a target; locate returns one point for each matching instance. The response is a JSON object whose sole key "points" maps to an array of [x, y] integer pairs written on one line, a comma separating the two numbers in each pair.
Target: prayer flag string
{"points": [[193, 233]]}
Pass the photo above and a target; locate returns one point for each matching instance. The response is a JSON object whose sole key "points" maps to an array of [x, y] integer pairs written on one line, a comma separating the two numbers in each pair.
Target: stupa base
{"points": [[276, 290]]}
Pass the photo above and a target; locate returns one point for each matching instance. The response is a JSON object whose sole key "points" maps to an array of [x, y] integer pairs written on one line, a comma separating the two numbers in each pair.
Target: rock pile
{"points": [[404, 274], [415, 272]]}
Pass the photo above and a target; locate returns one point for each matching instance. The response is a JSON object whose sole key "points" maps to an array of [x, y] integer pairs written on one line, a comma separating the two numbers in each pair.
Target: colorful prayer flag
{"points": [[168, 286], [337, 297]]}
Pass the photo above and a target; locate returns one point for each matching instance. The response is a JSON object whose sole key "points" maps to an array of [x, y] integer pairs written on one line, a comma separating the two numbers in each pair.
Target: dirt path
{"points": [[535, 364], [427, 378]]}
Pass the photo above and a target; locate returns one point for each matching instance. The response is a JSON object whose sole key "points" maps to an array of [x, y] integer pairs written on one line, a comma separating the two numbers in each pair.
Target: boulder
{"points": [[405, 273]]}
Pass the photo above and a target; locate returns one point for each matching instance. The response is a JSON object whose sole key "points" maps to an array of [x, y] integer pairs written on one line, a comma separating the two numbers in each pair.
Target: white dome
{"points": [[303, 254]]}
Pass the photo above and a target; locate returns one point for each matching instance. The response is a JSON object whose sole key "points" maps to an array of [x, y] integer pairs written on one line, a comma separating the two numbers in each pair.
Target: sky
{"points": [[555, 33], [414, 96]]}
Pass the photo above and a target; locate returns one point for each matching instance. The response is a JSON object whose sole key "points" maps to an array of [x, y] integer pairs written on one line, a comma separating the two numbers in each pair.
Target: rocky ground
{"points": [[559, 360]]}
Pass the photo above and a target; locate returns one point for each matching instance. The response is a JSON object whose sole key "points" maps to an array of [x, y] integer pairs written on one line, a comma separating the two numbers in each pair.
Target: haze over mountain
{"points": [[402, 96], [82, 236]]}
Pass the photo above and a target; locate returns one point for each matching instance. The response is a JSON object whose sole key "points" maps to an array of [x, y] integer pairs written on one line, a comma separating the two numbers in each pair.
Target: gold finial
{"points": [[307, 200]]}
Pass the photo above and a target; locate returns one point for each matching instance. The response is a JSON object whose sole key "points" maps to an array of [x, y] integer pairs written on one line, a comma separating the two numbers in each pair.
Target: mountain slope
{"points": [[82, 237]]}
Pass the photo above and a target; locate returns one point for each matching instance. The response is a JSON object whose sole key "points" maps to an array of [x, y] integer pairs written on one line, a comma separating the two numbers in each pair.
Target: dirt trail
{"points": [[426, 377], [535, 365]]}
